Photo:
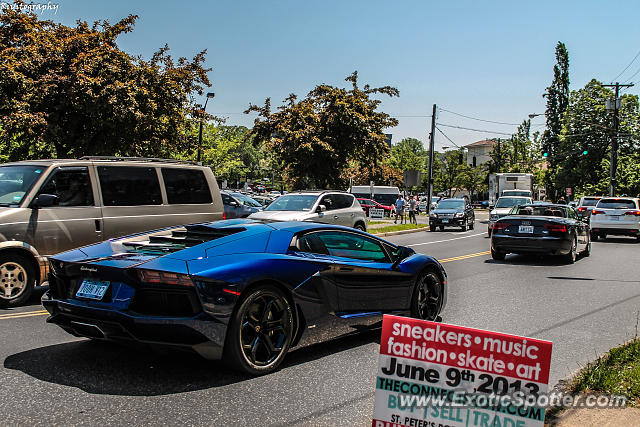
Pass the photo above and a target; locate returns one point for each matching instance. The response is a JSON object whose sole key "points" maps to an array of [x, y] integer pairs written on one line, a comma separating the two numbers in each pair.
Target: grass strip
{"points": [[397, 227]]}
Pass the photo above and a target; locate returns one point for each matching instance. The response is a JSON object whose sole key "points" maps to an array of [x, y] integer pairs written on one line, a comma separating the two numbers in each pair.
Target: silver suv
{"points": [[50, 206], [329, 207]]}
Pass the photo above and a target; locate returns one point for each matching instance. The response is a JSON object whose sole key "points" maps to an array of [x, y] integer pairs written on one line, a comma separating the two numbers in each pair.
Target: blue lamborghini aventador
{"points": [[242, 290]]}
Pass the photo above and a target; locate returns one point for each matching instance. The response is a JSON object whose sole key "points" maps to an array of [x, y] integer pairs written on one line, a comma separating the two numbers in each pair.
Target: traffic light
{"points": [[585, 152], [545, 154], [460, 158]]}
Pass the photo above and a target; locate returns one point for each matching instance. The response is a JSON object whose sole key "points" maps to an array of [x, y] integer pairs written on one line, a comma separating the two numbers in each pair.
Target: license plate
{"points": [[614, 218], [525, 229], [444, 221], [92, 289]]}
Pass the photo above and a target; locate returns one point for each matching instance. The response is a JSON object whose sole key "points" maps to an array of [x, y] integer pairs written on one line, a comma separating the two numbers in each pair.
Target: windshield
{"points": [[616, 204], [451, 204], [508, 202], [16, 181], [246, 200], [292, 202]]}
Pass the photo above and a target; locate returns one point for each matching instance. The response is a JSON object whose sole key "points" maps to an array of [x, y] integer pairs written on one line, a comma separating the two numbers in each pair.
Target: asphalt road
{"points": [[49, 377]]}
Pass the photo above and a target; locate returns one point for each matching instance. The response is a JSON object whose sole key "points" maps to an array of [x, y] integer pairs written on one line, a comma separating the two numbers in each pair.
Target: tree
{"points": [[588, 126], [472, 179], [70, 91], [317, 137], [521, 153], [408, 154], [447, 170], [557, 95]]}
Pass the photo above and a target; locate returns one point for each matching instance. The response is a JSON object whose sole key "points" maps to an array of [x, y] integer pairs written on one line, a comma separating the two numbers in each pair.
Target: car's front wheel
{"points": [[497, 255], [17, 280], [260, 332], [359, 226], [427, 297]]}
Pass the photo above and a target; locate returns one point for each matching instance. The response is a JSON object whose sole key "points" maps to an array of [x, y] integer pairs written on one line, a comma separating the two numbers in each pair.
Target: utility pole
{"points": [[499, 157], [614, 140], [432, 137]]}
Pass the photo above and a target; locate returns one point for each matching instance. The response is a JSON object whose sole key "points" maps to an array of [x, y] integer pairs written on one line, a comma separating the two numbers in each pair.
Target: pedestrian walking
{"points": [[400, 202], [413, 204]]}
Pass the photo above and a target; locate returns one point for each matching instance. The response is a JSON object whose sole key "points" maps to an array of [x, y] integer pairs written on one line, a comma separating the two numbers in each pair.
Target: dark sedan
{"points": [[242, 290], [547, 229], [452, 213]]}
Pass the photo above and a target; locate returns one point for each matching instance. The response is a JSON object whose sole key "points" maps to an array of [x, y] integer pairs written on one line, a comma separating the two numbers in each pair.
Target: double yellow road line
{"points": [[19, 315], [461, 257]]}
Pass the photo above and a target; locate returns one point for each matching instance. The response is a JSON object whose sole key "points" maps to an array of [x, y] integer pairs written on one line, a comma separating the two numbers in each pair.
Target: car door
{"points": [[330, 216], [581, 227], [363, 275], [345, 212], [74, 219]]}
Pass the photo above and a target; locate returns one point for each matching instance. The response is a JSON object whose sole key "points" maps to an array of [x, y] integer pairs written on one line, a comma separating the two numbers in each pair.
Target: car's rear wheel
{"points": [[498, 255], [17, 280], [260, 332], [570, 258], [427, 297], [432, 228], [442, 228], [587, 249]]}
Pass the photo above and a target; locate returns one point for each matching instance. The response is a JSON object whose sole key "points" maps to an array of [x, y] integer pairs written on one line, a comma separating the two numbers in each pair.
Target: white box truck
{"points": [[381, 194], [509, 184]]}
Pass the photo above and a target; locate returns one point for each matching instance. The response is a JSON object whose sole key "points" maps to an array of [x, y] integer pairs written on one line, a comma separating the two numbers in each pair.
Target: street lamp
{"points": [[209, 96], [531, 116]]}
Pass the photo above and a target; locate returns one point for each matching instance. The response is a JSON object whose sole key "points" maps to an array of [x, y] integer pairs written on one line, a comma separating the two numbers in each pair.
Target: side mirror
{"points": [[403, 253], [233, 203], [321, 208], [44, 201]]}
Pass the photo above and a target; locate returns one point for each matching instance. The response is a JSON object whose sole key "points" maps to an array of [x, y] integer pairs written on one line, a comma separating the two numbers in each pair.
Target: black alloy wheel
{"points": [[261, 331], [587, 249], [427, 297]]}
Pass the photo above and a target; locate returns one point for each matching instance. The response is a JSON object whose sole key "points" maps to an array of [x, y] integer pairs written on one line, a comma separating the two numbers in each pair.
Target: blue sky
{"points": [[490, 60]]}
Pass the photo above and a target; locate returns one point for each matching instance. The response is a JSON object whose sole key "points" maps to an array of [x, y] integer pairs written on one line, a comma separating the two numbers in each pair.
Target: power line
{"points": [[634, 74], [627, 67], [445, 135], [475, 130], [480, 120]]}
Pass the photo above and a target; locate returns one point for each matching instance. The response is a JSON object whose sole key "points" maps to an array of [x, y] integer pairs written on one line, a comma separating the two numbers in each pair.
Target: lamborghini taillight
{"points": [[164, 278]]}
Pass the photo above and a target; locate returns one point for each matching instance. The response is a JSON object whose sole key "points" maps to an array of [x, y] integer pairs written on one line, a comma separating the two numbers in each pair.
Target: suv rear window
{"points": [[343, 201], [616, 204], [589, 202], [186, 186], [129, 186]]}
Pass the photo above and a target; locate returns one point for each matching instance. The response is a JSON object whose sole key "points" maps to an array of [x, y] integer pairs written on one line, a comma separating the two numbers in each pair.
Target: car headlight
{"points": [[434, 215], [459, 214]]}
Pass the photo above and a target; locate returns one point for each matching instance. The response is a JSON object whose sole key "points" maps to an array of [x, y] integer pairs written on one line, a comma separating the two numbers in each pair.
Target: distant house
{"points": [[478, 152]]}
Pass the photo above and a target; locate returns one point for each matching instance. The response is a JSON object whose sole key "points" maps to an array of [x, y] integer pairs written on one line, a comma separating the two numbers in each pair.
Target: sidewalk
{"points": [[597, 417]]}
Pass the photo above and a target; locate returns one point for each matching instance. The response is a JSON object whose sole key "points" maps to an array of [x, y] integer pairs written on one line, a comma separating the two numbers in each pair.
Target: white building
{"points": [[478, 152]]}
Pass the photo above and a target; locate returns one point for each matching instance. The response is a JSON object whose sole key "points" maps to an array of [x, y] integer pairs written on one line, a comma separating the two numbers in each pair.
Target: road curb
{"points": [[396, 233]]}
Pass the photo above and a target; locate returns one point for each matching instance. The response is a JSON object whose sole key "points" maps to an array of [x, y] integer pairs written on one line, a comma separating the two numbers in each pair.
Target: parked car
{"points": [[547, 229], [242, 290], [586, 205], [368, 204], [238, 205], [452, 213], [263, 200], [329, 207], [50, 206], [619, 216], [503, 207]]}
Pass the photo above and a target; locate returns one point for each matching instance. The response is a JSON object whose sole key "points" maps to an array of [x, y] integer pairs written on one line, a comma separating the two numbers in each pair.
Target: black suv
{"points": [[452, 213]]}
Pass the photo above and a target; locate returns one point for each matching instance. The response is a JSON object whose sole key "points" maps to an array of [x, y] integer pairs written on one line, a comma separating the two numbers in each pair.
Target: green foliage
{"points": [[70, 91], [316, 138], [587, 125], [615, 373], [472, 179], [557, 95], [408, 154]]}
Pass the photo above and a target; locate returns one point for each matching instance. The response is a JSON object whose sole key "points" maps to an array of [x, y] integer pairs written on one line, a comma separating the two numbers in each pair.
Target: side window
{"points": [[351, 245], [329, 201], [72, 187], [129, 186], [186, 186], [343, 201], [312, 243]]}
